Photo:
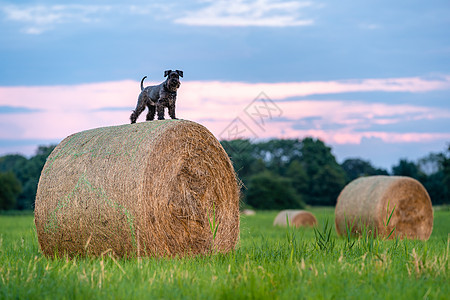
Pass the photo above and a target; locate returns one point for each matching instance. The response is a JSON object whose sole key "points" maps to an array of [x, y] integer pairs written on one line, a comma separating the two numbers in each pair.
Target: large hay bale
{"points": [[152, 188], [367, 203], [297, 218]]}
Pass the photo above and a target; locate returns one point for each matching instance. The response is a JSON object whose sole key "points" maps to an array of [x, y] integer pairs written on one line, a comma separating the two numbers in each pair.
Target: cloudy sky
{"points": [[369, 78]]}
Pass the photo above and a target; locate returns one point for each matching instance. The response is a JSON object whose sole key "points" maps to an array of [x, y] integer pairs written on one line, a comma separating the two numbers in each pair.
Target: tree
{"points": [[355, 167], [308, 164], [298, 176], [34, 167], [446, 172], [270, 191], [326, 185], [408, 168], [27, 171], [433, 171], [11, 162], [326, 178], [432, 163], [278, 153], [241, 155], [9, 189], [437, 182]]}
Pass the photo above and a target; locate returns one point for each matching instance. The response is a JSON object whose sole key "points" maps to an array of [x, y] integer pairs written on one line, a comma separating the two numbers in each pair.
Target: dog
{"points": [[157, 97]]}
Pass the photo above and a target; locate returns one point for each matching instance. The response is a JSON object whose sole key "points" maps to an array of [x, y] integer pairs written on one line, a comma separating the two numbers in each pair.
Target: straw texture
{"points": [[369, 202], [297, 218], [158, 188]]}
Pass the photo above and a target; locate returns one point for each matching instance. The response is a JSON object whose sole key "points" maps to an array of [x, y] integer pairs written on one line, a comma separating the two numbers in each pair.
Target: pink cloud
{"points": [[64, 110]]}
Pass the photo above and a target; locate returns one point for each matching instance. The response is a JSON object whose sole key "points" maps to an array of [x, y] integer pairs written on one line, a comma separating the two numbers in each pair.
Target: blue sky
{"points": [[383, 66]]}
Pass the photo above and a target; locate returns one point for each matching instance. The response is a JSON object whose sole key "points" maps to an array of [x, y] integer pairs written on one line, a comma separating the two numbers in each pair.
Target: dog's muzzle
{"points": [[174, 83]]}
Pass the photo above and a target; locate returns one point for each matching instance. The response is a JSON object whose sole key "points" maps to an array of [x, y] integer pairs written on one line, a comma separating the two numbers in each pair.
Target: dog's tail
{"points": [[142, 83]]}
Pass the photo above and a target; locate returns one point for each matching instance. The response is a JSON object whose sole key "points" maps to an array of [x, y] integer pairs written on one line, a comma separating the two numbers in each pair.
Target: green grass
{"points": [[268, 263]]}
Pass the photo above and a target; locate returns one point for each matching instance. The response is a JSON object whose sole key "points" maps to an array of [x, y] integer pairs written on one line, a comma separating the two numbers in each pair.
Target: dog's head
{"points": [[173, 79]]}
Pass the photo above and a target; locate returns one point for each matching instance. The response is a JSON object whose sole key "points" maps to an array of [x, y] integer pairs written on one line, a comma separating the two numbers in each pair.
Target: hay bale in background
{"points": [[150, 188], [297, 218], [364, 202], [248, 212]]}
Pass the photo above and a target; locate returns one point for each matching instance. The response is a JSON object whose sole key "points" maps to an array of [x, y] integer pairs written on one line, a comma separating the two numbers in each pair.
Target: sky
{"points": [[369, 78]]}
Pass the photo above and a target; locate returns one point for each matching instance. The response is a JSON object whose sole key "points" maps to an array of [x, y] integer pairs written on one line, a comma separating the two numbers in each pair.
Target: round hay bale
{"points": [[248, 212], [367, 203], [297, 218], [146, 189]]}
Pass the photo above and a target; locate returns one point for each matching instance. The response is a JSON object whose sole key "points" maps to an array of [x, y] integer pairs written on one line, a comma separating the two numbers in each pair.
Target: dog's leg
{"points": [[140, 106], [151, 112], [160, 111], [172, 111]]}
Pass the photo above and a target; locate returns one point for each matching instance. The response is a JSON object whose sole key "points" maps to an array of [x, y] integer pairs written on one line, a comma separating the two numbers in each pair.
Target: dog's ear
{"points": [[179, 72], [167, 72]]}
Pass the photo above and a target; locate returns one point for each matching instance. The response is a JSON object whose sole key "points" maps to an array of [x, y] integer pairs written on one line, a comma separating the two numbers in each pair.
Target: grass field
{"points": [[268, 263]]}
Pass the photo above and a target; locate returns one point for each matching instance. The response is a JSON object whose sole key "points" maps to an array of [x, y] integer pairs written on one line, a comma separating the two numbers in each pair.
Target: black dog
{"points": [[157, 97]]}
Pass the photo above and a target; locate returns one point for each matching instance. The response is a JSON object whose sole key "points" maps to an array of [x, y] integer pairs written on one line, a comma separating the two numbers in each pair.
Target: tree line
{"points": [[289, 173], [19, 177], [274, 174]]}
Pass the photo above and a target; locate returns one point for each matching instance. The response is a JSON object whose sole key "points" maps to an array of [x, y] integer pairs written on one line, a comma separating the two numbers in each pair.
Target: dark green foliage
{"points": [[12, 162], [278, 153], [433, 171], [326, 176], [355, 167], [9, 189], [241, 154], [308, 165], [27, 171], [299, 178], [434, 174], [326, 185], [316, 176], [446, 175], [407, 168], [27, 197], [270, 191]]}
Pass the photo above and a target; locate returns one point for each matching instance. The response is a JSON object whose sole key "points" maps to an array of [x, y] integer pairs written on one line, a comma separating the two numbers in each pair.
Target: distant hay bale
{"points": [[297, 218], [369, 201], [147, 189], [248, 212]]}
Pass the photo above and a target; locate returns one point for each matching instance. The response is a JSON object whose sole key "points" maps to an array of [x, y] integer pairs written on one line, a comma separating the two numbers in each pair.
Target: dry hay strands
{"points": [[388, 206], [297, 218], [159, 188]]}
